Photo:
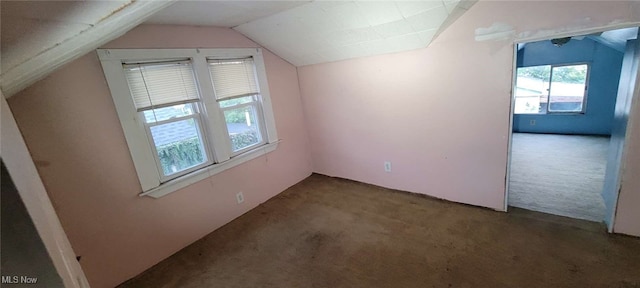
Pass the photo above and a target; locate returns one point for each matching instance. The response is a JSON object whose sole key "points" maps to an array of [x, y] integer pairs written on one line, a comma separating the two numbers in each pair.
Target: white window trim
{"points": [[134, 130], [584, 98], [207, 151], [260, 124]]}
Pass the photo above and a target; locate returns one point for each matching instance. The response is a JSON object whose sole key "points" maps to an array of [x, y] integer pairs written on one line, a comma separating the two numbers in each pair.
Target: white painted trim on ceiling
{"points": [[30, 71], [573, 32], [25, 176]]}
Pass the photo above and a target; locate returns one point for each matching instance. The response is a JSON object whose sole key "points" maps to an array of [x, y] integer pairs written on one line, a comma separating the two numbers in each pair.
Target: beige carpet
{"points": [[559, 174], [329, 232]]}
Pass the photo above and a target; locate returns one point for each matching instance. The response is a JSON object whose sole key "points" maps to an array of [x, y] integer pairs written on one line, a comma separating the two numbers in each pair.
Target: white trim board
{"points": [[52, 58]]}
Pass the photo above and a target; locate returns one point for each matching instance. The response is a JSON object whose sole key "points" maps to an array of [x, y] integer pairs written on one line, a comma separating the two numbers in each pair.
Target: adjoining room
{"points": [[565, 99]]}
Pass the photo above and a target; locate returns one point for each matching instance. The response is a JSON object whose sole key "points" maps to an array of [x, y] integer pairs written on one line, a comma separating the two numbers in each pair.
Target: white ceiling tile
{"points": [[361, 50], [376, 47], [450, 2], [326, 5], [319, 32], [220, 13], [401, 43], [79, 12], [410, 8], [427, 35], [450, 5], [314, 19], [346, 16], [379, 12], [334, 54], [350, 52], [32, 36], [308, 44], [350, 37], [314, 58], [395, 28], [429, 19], [302, 32], [31, 27]]}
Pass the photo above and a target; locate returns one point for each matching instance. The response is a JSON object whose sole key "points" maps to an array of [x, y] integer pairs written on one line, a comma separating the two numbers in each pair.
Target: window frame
{"points": [[586, 89], [261, 126], [548, 89], [206, 147], [213, 125]]}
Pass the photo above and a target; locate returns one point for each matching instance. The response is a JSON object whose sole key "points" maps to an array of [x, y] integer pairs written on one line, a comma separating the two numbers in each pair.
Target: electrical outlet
{"points": [[240, 197], [532, 122], [387, 166]]}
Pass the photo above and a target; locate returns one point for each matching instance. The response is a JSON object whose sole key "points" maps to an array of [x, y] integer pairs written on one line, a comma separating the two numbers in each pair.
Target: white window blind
{"points": [[155, 85], [233, 78]]}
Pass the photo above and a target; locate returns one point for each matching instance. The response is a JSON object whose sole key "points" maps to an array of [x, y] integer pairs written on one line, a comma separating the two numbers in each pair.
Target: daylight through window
{"points": [[551, 89], [193, 109]]}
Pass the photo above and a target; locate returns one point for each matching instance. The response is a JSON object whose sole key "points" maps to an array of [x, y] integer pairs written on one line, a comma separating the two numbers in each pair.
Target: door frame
{"points": [[567, 33]]}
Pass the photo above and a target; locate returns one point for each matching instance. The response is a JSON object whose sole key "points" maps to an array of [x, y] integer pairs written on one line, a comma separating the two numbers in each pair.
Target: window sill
{"points": [[552, 113], [206, 172]]}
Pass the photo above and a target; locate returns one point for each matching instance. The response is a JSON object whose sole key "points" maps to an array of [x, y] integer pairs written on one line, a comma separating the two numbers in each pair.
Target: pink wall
{"points": [[440, 114], [70, 125]]}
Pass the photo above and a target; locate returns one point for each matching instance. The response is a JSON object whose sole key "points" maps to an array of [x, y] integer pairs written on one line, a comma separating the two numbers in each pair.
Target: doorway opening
{"points": [[571, 100]]}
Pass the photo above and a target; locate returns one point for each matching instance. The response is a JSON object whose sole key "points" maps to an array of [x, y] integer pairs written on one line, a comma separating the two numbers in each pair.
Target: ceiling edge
{"points": [[109, 28], [462, 7]]}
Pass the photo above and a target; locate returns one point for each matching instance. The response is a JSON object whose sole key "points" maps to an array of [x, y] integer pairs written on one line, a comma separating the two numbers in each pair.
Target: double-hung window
{"points": [[167, 101], [237, 92], [189, 113]]}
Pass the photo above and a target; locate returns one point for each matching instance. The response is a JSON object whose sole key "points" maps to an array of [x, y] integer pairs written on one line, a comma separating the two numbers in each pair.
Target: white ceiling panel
{"points": [[219, 13], [378, 13], [340, 16], [30, 27], [302, 32], [395, 44], [82, 12], [429, 19], [399, 27], [38, 37], [32, 36], [450, 4], [410, 8], [427, 35], [326, 31], [351, 37]]}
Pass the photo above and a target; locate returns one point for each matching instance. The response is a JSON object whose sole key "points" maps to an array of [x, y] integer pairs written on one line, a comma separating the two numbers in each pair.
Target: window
{"points": [[237, 94], [166, 96], [189, 113], [551, 89]]}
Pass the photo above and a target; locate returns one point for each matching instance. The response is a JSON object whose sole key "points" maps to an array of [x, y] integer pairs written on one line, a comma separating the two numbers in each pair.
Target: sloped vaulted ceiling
{"points": [[321, 32], [304, 32], [39, 36], [31, 26]]}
